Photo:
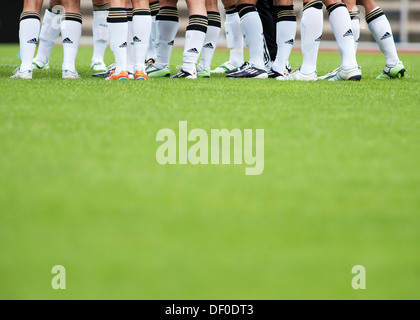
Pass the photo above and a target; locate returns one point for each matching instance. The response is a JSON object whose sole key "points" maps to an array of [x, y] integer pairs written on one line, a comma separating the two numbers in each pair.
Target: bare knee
{"points": [[168, 3], [283, 2]]}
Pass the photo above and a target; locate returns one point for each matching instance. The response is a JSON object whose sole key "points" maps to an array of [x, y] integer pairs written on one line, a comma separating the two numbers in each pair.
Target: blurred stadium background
{"points": [[404, 16]]}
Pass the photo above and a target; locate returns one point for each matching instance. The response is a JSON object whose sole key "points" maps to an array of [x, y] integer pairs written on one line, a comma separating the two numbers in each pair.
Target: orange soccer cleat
{"points": [[123, 75], [141, 75]]}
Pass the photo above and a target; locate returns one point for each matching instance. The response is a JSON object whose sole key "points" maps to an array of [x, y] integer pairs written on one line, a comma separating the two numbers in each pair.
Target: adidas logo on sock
{"points": [[135, 39], [208, 45], [33, 41], [67, 40], [193, 50], [291, 41], [124, 45], [386, 36], [348, 33], [318, 39], [171, 43]]}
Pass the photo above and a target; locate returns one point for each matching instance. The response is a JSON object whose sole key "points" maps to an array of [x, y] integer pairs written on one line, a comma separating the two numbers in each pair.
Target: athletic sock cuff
{"points": [[141, 12], [354, 15], [168, 14], [317, 4], [30, 15], [198, 23], [214, 19], [374, 14], [231, 10], [77, 17], [154, 8], [129, 14], [285, 13], [243, 9], [103, 7], [334, 6], [117, 15]]}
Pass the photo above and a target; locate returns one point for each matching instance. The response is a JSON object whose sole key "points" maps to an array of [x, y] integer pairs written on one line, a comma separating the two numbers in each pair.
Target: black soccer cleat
{"points": [[105, 74], [185, 74], [249, 72]]}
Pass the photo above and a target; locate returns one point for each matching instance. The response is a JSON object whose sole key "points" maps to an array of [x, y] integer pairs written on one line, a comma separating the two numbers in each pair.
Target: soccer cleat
{"points": [[149, 62], [245, 65], [395, 72], [38, 64], [67, 74], [288, 68], [154, 72], [186, 75], [141, 75], [203, 73], [105, 74], [354, 74], [330, 75], [98, 66], [122, 76], [249, 72], [226, 67], [297, 75], [274, 74], [24, 75]]}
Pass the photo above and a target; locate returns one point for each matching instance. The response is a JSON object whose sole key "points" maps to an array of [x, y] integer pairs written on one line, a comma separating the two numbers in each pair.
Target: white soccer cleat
{"points": [[98, 66], [224, 68], [67, 74], [329, 75], [297, 75], [24, 75], [38, 64], [354, 74]]}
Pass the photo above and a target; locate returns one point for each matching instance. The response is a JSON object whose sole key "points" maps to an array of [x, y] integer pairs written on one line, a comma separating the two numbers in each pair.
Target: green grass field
{"points": [[80, 187]]}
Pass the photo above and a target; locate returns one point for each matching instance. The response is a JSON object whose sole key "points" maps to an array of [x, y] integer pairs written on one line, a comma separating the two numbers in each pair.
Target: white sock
{"points": [[100, 34], [130, 46], [118, 30], [253, 33], [142, 25], [151, 51], [210, 41], [311, 34], [30, 25], [50, 30], [286, 33], [341, 25], [381, 30], [194, 41], [355, 25], [71, 32], [166, 29], [234, 37]]}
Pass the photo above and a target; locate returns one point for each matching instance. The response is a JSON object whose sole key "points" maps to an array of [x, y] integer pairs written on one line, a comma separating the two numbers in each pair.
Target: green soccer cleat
{"points": [[154, 72], [38, 64], [395, 72], [203, 73], [98, 66], [227, 67]]}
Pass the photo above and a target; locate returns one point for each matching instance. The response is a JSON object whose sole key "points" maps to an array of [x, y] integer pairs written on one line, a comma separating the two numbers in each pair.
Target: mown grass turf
{"points": [[80, 186]]}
